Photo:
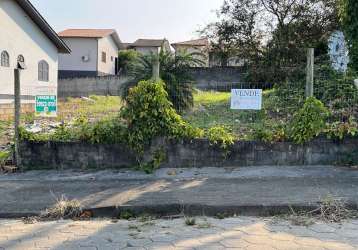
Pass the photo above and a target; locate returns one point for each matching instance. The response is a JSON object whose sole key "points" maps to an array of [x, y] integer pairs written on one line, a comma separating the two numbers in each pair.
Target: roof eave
{"points": [[37, 18]]}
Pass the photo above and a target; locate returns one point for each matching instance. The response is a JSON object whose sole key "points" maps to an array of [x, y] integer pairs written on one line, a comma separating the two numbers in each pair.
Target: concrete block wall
{"points": [[86, 86], [196, 153], [219, 78]]}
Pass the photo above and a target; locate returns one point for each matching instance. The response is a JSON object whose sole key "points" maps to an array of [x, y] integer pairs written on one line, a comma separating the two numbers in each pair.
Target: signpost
{"points": [[46, 105], [246, 99]]}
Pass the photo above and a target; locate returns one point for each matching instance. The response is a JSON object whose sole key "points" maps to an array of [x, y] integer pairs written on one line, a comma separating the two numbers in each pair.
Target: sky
{"points": [[176, 20]]}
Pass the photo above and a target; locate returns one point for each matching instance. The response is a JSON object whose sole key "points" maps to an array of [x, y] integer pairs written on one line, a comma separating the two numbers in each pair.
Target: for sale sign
{"points": [[246, 99], [46, 105]]}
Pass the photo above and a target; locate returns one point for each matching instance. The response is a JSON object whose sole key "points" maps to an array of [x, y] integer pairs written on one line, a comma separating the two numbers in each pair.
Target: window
{"points": [[21, 58], [5, 59], [43, 71], [104, 57], [112, 59]]}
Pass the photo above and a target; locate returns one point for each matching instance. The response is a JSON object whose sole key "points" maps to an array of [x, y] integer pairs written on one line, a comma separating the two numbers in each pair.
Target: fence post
{"points": [[310, 72], [17, 94], [156, 68]]}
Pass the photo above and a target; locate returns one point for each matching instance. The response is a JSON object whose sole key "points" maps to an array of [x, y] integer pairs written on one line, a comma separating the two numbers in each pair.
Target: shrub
{"points": [[149, 114], [127, 59], [219, 135], [309, 121], [339, 130], [174, 71], [269, 132]]}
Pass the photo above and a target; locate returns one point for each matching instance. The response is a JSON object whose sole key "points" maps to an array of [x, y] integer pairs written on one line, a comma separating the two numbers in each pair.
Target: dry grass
{"points": [[63, 209], [330, 210]]}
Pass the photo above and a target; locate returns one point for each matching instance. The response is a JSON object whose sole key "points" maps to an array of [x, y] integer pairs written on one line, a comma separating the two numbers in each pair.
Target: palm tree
{"points": [[174, 71]]}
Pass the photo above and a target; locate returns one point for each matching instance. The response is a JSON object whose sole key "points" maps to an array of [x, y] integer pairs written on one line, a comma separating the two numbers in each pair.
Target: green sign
{"points": [[46, 105]]}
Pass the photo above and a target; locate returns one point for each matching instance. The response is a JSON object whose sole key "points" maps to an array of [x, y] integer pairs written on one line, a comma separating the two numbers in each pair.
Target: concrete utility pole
{"points": [[156, 68], [310, 72], [17, 107]]}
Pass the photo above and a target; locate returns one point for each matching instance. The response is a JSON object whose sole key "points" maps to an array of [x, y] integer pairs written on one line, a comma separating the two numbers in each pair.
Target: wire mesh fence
{"points": [[283, 95]]}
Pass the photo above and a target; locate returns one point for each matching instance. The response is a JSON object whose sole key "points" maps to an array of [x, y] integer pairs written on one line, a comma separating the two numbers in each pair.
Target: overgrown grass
{"points": [[212, 108], [94, 107]]}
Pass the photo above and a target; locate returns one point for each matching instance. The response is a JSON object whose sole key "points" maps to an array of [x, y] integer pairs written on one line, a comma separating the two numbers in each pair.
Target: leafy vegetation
{"points": [[220, 136], [309, 121], [127, 60], [173, 71], [348, 14], [150, 114]]}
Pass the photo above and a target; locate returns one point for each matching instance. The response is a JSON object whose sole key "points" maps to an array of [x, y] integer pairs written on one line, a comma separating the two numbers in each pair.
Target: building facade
{"points": [[26, 37], [94, 53]]}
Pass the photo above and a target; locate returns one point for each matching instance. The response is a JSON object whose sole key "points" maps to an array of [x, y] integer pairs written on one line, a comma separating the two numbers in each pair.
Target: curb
{"points": [[175, 210]]}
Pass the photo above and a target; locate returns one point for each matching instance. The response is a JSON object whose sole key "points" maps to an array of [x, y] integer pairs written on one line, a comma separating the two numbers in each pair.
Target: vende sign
{"points": [[246, 99]]}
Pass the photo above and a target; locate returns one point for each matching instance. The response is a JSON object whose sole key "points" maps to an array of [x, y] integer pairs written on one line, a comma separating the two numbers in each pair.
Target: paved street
{"points": [[208, 233], [214, 188]]}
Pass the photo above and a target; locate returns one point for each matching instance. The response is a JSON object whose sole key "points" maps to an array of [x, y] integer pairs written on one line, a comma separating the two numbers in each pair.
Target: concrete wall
{"points": [[204, 78], [197, 153], [19, 35], [217, 78], [80, 47], [78, 87], [108, 46]]}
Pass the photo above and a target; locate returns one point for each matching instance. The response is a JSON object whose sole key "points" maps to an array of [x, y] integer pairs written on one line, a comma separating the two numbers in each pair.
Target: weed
{"points": [[221, 216], [190, 221], [63, 209], [204, 225], [126, 215]]}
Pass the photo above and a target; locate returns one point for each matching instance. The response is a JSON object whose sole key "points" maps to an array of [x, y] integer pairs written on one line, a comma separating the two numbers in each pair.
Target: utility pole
{"points": [[17, 94], [310, 73]]}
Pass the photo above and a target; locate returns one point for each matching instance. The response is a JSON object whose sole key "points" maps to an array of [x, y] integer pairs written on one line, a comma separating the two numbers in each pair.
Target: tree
{"points": [[127, 60], [272, 33], [174, 71], [349, 18], [235, 33]]}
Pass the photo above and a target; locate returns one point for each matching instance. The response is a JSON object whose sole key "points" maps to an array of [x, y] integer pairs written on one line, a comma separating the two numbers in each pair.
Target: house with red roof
{"points": [[94, 53]]}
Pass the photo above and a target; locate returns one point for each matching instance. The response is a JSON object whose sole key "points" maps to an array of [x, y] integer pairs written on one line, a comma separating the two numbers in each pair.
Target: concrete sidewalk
{"points": [[207, 191]]}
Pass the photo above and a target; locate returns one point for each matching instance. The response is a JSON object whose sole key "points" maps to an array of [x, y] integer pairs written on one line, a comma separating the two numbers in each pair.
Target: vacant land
{"points": [[94, 107], [212, 108]]}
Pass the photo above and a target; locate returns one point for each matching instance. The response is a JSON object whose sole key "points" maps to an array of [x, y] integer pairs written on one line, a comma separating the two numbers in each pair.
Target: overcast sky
{"points": [[176, 20]]}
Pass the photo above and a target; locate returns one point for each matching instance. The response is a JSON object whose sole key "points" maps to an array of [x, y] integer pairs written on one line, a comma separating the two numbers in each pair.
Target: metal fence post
{"points": [[310, 72], [17, 106]]}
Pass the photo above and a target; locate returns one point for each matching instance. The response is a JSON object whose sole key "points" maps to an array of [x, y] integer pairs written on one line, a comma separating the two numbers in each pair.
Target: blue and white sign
{"points": [[246, 99]]}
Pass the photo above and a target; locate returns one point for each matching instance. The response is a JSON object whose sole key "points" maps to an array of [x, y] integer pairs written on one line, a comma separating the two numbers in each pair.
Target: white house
{"points": [[26, 37], [94, 52], [149, 46]]}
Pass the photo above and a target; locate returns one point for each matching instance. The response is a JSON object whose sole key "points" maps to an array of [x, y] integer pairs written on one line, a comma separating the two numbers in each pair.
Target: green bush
{"points": [[340, 130], [309, 121], [149, 114], [127, 60], [219, 135], [269, 132]]}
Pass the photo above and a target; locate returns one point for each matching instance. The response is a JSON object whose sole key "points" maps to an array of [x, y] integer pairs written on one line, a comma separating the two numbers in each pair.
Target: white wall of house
{"points": [[108, 46], [80, 47], [148, 50], [193, 49], [20, 36]]}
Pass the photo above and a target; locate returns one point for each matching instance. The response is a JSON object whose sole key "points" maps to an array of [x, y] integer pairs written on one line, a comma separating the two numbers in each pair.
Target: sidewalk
{"points": [[207, 191]]}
